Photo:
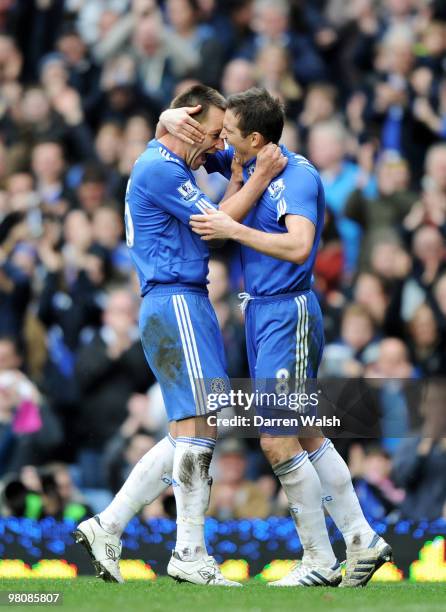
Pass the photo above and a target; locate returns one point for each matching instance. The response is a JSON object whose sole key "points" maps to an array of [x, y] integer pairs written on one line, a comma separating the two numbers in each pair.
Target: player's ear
{"points": [[256, 140]]}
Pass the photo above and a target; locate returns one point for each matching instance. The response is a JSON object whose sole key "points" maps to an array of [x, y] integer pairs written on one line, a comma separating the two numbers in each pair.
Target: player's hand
{"points": [[216, 225], [236, 170], [270, 161], [68, 103], [178, 121]]}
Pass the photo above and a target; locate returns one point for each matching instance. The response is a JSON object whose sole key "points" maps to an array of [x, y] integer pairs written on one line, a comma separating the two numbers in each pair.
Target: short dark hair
{"points": [[93, 173], [258, 111], [200, 94]]}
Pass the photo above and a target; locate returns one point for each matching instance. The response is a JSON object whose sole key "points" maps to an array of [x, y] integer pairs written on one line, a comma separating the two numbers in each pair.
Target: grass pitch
{"points": [[164, 595]]}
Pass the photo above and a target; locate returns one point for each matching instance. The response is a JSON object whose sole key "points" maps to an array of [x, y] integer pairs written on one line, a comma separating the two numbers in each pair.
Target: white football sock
{"points": [[192, 487], [339, 496], [148, 479], [303, 490]]}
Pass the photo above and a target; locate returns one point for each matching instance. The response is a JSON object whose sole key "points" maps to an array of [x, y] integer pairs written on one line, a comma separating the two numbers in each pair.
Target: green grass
{"points": [[164, 595]]}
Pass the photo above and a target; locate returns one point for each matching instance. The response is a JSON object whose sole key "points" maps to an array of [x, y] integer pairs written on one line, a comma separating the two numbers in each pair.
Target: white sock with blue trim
{"points": [[339, 496], [303, 490], [192, 487], [148, 479]]}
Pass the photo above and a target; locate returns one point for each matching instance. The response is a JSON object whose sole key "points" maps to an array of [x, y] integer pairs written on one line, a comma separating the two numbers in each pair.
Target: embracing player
{"points": [[284, 331], [180, 336]]}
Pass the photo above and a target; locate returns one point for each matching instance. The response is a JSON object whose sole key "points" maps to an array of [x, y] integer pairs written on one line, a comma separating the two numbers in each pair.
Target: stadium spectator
{"points": [[196, 43], [427, 343], [232, 496], [108, 227], [319, 106], [123, 452], [387, 210], [144, 425], [274, 73], [230, 325], [238, 75], [370, 291], [15, 275], [83, 73], [374, 487], [346, 356], [154, 67], [327, 147], [109, 369], [419, 464], [48, 165], [271, 23], [392, 365], [59, 497], [91, 193], [29, 432]]}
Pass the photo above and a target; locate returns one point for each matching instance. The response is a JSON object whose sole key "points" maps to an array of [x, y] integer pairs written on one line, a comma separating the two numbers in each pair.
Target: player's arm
{"points": [[270, 162], [235, 182], [294, 245], [297, 208]]}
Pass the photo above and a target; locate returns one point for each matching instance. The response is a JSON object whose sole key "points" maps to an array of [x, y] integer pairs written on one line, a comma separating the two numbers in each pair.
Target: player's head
{"points": [[252, 119], [213, 106]]}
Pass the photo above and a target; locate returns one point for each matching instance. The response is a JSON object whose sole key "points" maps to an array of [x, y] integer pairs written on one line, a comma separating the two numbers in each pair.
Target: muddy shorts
{"points": [[184, 348]]}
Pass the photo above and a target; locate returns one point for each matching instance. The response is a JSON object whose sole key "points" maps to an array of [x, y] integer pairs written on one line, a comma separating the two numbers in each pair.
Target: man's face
{"points": [[235, 138], [212, 142]]}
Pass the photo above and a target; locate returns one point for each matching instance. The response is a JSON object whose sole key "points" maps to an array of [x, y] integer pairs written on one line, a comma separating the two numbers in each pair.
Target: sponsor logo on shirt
{"points": [[276, 188], [188, 191]]}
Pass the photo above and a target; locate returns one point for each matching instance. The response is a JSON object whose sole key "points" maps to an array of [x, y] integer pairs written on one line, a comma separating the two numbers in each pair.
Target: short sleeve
{"points": [[220, 162], [173, 190], [298, 194]]}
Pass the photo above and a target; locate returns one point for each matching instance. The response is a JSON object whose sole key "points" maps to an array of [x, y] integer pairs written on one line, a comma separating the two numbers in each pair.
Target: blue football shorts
{"points": [[285, 341], [183, 345]]}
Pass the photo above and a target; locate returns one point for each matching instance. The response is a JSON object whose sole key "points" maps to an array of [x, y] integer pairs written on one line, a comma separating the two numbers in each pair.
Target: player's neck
{"points": [[175, 145], [251, 156], [255, 150]]}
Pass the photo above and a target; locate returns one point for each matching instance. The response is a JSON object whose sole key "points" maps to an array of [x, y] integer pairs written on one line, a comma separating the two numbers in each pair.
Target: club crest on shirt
{"points": [[276, 188], [250, 169], [188, 191]]}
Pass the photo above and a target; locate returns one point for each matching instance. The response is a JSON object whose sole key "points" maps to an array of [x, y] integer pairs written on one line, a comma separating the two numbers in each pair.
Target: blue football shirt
{"points": [[297, 190], [161, 196]]}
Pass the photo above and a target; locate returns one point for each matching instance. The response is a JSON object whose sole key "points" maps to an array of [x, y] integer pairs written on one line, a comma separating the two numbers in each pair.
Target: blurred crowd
{"points": [[81, 86]]}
